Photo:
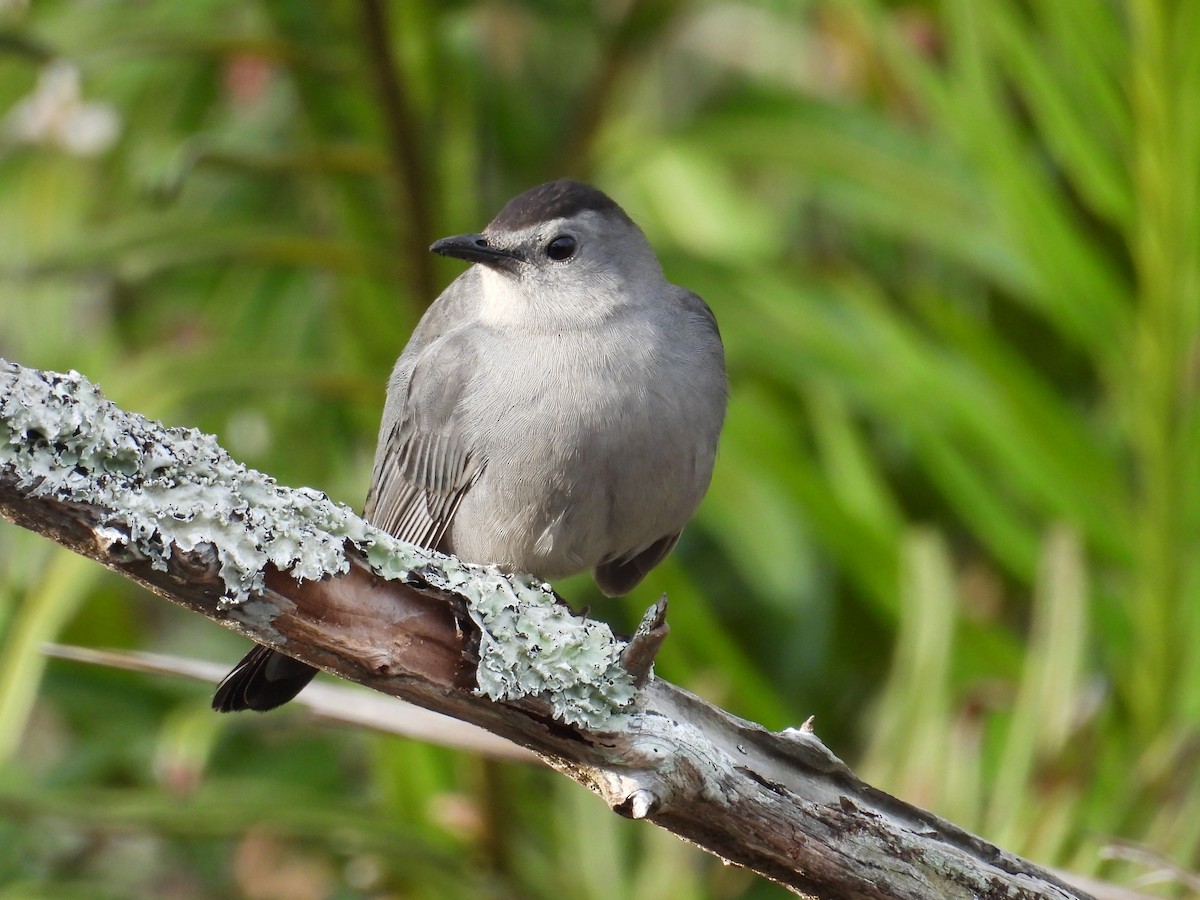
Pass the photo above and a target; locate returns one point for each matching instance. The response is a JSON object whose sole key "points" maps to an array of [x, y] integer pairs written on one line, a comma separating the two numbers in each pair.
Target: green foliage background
{"points": [[955, 252]]}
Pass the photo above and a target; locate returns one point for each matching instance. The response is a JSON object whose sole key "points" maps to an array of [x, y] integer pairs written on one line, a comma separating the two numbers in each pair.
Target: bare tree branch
{"points": [[289, 568], [343, 703], [402, 130]]}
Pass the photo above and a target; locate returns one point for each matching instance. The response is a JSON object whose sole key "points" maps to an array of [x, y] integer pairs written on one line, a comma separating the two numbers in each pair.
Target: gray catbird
{"points": [[556, 410]]}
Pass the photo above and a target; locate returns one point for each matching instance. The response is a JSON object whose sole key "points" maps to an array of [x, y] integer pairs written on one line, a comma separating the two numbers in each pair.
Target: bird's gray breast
{"points": [[589, 447]]}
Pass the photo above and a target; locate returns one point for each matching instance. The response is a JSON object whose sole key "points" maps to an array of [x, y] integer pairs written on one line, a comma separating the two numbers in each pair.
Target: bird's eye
{"points": [[561, 248]]}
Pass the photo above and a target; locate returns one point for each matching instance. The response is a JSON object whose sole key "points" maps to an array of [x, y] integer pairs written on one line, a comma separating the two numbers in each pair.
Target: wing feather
{"points": [[424, 465]]}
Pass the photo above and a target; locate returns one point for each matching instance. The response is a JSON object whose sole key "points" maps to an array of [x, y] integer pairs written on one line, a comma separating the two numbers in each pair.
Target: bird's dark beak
{"points": [[475, 248]]}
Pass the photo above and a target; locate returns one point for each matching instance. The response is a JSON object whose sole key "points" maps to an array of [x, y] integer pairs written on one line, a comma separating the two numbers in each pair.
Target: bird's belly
{"points": [[617, 475]]}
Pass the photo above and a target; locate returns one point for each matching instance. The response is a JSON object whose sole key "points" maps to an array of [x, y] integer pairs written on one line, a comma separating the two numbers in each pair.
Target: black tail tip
{"points": [[264, 680]]}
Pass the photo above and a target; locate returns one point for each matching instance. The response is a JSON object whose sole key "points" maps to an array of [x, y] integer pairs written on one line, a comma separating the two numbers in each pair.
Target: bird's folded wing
{"points": [[424, 465]]}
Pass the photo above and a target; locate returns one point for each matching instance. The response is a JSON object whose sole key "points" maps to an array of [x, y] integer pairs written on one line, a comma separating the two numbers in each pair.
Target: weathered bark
{"points": [[778, 803]]}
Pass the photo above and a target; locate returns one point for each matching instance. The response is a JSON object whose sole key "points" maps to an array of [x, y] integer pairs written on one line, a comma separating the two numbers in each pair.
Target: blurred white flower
{"points": [[54, 115]]}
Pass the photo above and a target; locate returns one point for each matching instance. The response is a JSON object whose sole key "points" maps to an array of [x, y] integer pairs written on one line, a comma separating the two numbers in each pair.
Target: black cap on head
{"points": [[553, 200]]}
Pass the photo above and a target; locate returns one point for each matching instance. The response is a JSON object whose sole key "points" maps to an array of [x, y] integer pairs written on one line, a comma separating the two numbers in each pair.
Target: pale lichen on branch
{"points": [[165, 490], [168, 489]]}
